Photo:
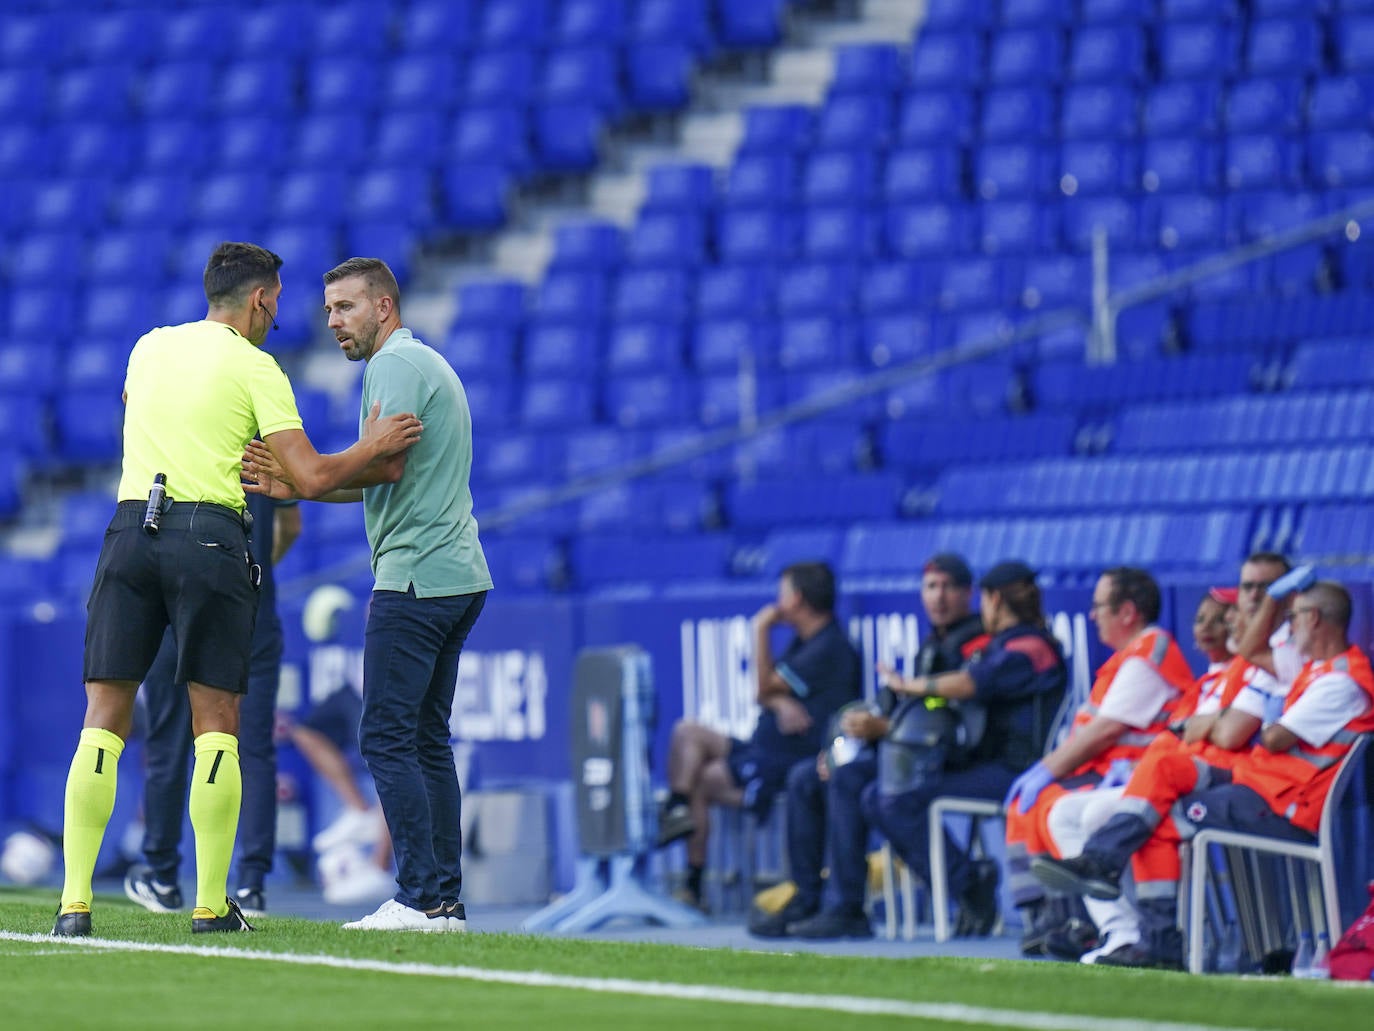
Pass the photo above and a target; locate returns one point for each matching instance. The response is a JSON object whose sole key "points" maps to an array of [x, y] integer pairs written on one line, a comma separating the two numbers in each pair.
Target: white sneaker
{"points": [[361, 826], [1113, 942], [364, 883], [392, 916]]}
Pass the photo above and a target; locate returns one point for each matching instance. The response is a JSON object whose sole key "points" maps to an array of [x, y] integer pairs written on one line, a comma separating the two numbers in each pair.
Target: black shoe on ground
{"points": [[204, 921], [674, 823], [978, 902], [1081, 875], [252, 901], [73, 921], [1071, 939], [775, 925], [150, 893], [1140, 956], [828, 925]]}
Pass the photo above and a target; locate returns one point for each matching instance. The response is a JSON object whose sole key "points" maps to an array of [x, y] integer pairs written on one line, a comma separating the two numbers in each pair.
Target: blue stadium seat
{"points": [[1277, 46], [481, 350], [491, 136], [23, 93], [514, 23], [126, 256], [568, 138], [1197, 49], [46, 314], [1102, 53], [597, 449], [831, 234], [275, 29], [227, 196], [260, 86], [759, 235], [1026, 55], [75, 204], [718, 398], [581, 75], [867, 67], [438, 26], [815, 342], [639, 401], [1019, 114], [353, 83], [928, 230], [423, 81], [587, 243], [591, 21], [516, 457], [1339, 102], [599, 559], [22, 406], [1116, 11], [943, 116], [93, 91], [1198, 10], [1191, 221], [314, 196], [246, 143], [854, 120], [491, 401], [730, 290], [22, 35], [176, 89], [685, 186], [817, 288], [667, 238], [774, 502], [1181, 108], [652, 294], [750, 23], [838, 176], [1017, 226], [720, 344], [1331, 364], [1260, 161], [554, 349], [658, 78], [97, 361], [348, 28], [787, 545], [118, 312], [928, 173], [89, 424], [556, 403], [399, 195], [674, 21], [1264, 214], [1117, 216], [1355, 43], [641, 347], [947, 59], [947, 14], [42, 257], [1099, 166], [1012, 170], [762, 180], [1036, 12], [492, 302], [1264, 105], [175, 146], [127, 36], [897, 339], [572, 297], [976, 283], [500, 77], [408, 138], [1180, 164], [770, 128], [317, 141], [1098, 112], [204, 31], [1344, 158]]}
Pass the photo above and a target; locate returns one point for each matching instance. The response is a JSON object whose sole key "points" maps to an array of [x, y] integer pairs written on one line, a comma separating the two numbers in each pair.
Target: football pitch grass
{"points": [[147, 971]]}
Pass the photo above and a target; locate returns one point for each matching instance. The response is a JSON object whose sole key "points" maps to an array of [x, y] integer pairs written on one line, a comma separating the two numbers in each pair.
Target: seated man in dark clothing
{"points": [[1004, 700], [819, 672]]}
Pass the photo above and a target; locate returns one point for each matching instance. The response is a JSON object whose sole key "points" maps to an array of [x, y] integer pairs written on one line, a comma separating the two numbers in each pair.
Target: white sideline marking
{"points": [[951, 1012]]}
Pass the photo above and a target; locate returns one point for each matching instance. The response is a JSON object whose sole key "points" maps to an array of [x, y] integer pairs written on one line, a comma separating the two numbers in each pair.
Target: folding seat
{"points": [[658, 78], [422, 81], [1179, 165], [228, 196], [856, 121], [96, 361], [176, 146], [936, 116], [182, 300], [126, 256], [317, 139], [480, 350], [652, 294], [1011, 170], [1098, 166], [971, 283], [1107, 53], [867, 68], [275, 30], [22, 35], [1197, 49], [500, 77], [1098, 112], [400, 195], [755, 235], [123, 36], [610, 558], [89, 424], [1197, 10], [1288, 8], [23, 93], [513, 23], [667, 238], [1283, 46], [572, 296], [491, 136], [47, 314], [839, 233], [1355, 42], [494, 301], [817, 288], [1339, 102], [25, 151], [556, 403], [1265, 214], [762, 180], [928, 230], [1264, 105], [1036, 12], [474, 195], [591, 21], [343, 83], [515, 457], [950, 14], [1017, 227], [1181, 109], [1018, 114], [1191, 221], [408, 138], [777, 128], [206, 31], [922, 174], [898, 339], [581, 75], [93, 91], [660, 399], [44, 257], [347, 28], [177, 89], [1114, 214], [260, 86], [815, 342], [721, 344], [833, 177], [249, 143], [730, 290], [1259, 161], [947, 58], [75, 204], [594, 450], [1297, 270], [750, 23], [491, 401], [1026, 55], [312, 196], [685, 186], [1343, 158], [568, 139], [718, 398], [629, 507], [435, 26], [640, 347], [23, 406], [587, 243]]}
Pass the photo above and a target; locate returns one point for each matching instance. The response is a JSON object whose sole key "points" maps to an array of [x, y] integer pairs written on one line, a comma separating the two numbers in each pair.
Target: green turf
{"points": [[52, 984]]}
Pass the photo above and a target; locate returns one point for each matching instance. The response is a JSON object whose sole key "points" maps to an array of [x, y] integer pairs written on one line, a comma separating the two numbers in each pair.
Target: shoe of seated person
{"points": [[204, 920], [978, 901], [1141, 956], [1113, 943], [830, 925], [73, 921], [776, 925], [141, 886], [395, 916], [1071, 939], [1082, 875], [352, 826], [674, 823]]}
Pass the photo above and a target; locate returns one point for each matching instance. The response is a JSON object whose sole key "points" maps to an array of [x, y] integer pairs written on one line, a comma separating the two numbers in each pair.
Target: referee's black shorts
{"points": [[194, 575]]}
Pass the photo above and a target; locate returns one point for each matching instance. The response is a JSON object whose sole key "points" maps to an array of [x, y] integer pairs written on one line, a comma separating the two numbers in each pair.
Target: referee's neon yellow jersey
{"points": [[195, 395]]}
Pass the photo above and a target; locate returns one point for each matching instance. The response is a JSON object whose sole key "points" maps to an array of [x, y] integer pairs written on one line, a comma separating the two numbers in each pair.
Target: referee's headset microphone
{"points": [[270, 314]]}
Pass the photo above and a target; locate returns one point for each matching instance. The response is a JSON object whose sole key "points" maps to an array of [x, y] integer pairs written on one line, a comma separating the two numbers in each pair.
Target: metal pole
{"points": [[1102, 341]]}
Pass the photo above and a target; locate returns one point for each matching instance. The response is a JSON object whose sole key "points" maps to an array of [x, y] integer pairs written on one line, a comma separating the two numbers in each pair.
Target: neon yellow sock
{"points": [[90, 799], [216, 793]]}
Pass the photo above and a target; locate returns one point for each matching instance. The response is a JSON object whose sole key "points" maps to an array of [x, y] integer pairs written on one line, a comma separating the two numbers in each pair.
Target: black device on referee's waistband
{"points": [[157, 497]]}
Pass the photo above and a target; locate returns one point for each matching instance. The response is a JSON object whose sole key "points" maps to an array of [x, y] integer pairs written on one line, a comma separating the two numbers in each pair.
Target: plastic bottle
{"points": [[1321, 965], [1302, 959]]}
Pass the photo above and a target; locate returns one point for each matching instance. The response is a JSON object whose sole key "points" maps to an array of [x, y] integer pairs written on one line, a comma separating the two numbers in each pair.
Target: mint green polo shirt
{"points": [[421, 529]]}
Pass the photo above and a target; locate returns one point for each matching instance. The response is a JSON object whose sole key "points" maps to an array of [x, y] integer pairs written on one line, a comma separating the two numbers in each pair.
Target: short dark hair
{"points": [[1136, 586], [374, 271], [235, 269], [1269, 558], [815, 582], [1333, 602]]}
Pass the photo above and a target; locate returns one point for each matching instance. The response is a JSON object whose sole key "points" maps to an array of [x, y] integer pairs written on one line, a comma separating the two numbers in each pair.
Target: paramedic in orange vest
{"points": [[1136, 694], [1276, 789]]}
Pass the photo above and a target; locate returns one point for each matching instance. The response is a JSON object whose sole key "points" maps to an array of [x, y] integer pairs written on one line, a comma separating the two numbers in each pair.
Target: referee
{"points": [[194, 395]]}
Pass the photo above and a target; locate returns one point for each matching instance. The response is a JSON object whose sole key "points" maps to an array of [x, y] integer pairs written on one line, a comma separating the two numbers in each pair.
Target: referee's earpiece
{"points": [[270, 315]]}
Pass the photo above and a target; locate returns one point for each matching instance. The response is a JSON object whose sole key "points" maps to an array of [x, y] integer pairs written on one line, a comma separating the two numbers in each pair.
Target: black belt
{"points": [[179, 515]]}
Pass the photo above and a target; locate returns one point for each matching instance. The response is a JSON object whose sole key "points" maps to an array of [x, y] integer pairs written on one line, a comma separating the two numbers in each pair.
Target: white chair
{"points": [[976, 808], [1323, 901]]}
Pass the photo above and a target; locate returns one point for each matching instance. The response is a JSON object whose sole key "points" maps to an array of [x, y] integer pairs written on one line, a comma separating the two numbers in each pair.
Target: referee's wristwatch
{"points": [[927, 687]]}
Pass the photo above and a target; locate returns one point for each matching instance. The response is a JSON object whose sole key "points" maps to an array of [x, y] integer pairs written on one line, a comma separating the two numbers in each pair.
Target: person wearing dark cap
{"points": [[824, 814]]}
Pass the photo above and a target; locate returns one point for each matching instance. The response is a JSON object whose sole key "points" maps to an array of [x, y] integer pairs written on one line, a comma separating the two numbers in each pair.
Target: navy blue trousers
{"points": [[410, 671], [169, 757]]}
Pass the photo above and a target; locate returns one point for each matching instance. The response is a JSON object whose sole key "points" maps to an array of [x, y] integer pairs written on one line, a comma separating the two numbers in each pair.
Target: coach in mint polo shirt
{"points": [[431, 583]]}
